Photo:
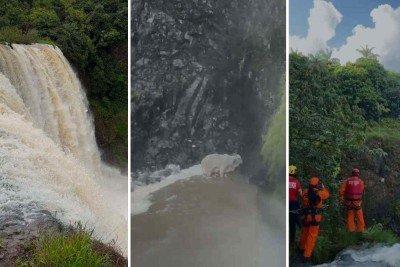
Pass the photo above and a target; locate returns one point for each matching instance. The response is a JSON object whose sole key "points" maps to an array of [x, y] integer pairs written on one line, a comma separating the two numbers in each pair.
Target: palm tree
{"points": [[366, 53], [316, 64], [326, 56]]}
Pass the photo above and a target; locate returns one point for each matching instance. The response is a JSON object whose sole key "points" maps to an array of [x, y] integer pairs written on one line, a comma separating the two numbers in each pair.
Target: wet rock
{"points": [[177, 63], [16, 231], [142, 62], [212, 76], [147, 177]]}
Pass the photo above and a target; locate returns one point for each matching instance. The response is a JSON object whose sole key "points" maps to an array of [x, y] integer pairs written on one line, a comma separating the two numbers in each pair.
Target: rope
{"points": [[295, 211], [298, 211]]}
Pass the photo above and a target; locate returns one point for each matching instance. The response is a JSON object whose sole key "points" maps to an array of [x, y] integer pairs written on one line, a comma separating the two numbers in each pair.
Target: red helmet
{"points": [[355, 172]]}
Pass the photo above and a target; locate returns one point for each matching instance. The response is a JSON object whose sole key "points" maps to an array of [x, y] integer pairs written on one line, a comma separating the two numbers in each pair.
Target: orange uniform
{"points": [[311, 217], [351, 193]]}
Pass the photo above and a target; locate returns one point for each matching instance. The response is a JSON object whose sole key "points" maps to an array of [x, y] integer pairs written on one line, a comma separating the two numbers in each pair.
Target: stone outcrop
{"points": [[205, 78]]}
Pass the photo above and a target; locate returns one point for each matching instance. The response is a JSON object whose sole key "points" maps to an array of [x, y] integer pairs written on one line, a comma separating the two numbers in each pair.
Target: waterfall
{"points": [[53, 97], [47, 143]]}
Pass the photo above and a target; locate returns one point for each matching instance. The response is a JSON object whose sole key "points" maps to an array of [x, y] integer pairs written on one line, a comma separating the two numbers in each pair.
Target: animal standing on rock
{"points": [[219, 164]]}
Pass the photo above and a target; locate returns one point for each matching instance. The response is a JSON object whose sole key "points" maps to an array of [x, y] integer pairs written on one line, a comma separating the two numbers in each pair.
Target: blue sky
{"points": [[354, 12], [343, 26]]}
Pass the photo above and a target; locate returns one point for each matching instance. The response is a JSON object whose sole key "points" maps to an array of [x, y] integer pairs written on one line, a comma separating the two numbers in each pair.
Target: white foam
{"points": [[140, 197], [377, 255]]}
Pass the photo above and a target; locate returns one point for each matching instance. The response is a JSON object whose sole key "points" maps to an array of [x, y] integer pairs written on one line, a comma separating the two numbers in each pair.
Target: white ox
{"points": [[220, 164]]}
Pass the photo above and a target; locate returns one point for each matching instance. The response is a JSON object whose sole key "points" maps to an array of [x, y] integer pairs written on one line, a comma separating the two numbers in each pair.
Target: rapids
{"points": [[375, 256]]}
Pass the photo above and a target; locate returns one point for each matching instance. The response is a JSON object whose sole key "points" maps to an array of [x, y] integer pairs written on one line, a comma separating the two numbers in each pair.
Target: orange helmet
{"points": [[314, 181]]}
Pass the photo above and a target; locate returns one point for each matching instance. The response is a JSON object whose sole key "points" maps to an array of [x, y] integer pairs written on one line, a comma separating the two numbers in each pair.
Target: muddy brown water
{"points": [[210, 222]]}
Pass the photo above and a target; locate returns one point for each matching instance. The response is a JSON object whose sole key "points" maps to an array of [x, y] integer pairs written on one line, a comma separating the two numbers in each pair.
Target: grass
{"points": [[46, 41], [72, 247], [377, 234]]}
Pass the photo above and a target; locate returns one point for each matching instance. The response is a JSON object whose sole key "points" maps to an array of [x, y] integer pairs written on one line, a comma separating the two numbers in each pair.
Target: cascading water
{"points": [[53, 97], [48, 153]]}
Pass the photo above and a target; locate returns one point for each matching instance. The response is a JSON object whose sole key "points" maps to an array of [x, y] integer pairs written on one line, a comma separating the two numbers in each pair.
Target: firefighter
{"points": [[351, 193], [294, 203], [313, 198]]}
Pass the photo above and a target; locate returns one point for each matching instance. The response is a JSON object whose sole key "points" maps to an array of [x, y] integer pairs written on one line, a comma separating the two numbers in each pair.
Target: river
{"points": [[197, 221]]}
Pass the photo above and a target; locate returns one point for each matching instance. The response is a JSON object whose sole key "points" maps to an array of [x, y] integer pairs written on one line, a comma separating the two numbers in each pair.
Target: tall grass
{"points": [[73, 247]]}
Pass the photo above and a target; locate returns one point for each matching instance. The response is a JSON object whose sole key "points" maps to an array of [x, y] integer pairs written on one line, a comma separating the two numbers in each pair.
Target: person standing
{"points": [[351, 193], [294, 204], [313, 198]]}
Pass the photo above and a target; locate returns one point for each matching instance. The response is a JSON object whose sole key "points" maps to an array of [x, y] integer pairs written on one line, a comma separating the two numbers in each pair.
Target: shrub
{"points": [[12, 34]]}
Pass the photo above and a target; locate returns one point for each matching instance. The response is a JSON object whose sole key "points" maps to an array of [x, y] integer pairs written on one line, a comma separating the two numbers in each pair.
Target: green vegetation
{"points": [[328, 247], [93, 36], [274, 142], [387, 130], [336, 109], [73, 247], [377, 234], [336, 113]]}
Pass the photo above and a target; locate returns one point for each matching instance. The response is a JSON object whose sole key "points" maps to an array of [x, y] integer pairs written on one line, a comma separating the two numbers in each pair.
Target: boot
{"points": [[307, 261]]}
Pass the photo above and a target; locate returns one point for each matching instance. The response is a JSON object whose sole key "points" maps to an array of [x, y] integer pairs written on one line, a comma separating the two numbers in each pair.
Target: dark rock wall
{"points": [[205, 78]]}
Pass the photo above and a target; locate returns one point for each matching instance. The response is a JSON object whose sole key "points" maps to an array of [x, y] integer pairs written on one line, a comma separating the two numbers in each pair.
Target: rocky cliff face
{"points": [[206, 78]]}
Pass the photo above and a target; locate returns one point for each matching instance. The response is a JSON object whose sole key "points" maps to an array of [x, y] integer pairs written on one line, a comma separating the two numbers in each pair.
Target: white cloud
{"points": [[384, 36], [323, 19]]}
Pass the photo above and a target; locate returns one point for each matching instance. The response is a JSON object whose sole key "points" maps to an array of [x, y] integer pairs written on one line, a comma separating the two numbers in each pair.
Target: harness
{"points": [[353, 206], [353, 193], [311, 211]]}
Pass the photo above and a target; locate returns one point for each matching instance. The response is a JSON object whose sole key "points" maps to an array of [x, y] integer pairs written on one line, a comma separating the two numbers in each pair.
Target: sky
{"points": [[344, 26]]}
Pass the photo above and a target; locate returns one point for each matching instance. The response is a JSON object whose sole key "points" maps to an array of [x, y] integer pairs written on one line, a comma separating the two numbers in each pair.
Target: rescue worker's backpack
{"points": [[314, 200], [354, 190]]}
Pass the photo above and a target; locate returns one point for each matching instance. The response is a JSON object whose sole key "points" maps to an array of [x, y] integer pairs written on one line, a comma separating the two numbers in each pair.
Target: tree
{"points": [[326, 56], [366, 53], [322, 123]]}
